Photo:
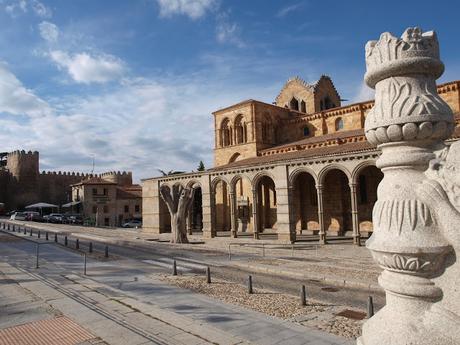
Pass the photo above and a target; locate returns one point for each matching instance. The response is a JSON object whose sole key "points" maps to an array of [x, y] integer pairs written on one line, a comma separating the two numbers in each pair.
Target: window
{"points": [[94, 191], [225, 133], [105, 191], [362, 189], [294, 104], [306, 131], [338, 124], [137, 208], [303, 107], [126, 208], [106, 209], [94, 209]]}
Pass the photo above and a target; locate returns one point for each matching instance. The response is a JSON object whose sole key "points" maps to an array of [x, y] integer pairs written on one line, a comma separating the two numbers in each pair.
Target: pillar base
{"points": [[256, 236], [322, 238], [286, 237], [209, 234], [233, 234], [357, 240]]}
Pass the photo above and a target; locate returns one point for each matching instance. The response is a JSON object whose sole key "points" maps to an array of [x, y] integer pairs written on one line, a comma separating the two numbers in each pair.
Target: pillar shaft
{"points": [[322, 230], [354, 215]]}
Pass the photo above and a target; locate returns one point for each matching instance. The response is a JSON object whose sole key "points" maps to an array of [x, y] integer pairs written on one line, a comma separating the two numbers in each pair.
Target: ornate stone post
{"points": [[408, 122], [354, 215], [322, 230]]}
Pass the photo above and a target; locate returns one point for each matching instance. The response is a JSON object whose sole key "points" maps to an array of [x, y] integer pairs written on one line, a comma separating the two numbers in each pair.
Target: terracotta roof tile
{"points": [[93, 180]]}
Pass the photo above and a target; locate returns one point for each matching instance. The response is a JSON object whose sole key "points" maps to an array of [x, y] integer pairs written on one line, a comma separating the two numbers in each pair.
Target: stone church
{"points": [[299, 166]]}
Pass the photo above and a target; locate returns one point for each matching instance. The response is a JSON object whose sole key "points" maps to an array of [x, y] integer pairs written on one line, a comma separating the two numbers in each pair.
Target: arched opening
{"points": [[303, 106], [266, 199], [294, 104], [306, 131], [195, 216], [305, 203], [234, 157], [367, 182], [244, 205], [337, 203], [222, 207], [165, 217], [240, 130], [338, 124], [225, 133]]}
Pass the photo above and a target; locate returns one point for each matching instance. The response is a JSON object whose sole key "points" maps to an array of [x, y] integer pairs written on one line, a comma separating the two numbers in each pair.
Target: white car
{"points": [[18, 216], [134, 223]]}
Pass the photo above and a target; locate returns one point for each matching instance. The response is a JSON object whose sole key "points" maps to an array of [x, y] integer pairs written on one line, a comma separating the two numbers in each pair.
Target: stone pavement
{"points": [[338, 263], [122, 302]]}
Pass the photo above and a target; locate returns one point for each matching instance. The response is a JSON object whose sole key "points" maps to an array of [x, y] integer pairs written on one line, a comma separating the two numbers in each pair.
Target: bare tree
{"points": [[178, 201]]}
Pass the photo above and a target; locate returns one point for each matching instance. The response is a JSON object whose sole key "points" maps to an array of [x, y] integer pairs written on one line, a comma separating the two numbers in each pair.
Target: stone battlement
{"points": [[68, 173]]}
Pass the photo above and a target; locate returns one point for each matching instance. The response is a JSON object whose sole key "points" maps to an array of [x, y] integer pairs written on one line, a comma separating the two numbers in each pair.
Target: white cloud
{"points": [[288, 9], [192, 8], [15, 7], [227, 31], [16, 99], [48, 31], [364, 93], [86, 69]]}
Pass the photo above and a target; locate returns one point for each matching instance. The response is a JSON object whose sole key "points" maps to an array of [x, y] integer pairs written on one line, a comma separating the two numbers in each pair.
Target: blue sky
{"points": [[133, 83]]}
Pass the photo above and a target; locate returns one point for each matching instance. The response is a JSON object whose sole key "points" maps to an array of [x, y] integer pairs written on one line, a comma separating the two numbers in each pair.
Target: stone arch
{"points": [[294, 104], [234, 157], [195, 215], [304, 200], [333, 166], [357, 169], [336, 200], [220, 205], [264, 185], [242, 187], [339, 124]]}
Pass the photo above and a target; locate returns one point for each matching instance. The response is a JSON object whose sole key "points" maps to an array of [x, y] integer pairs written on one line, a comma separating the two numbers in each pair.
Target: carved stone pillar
{"points": [[322, 230], [233, 221], [255, 213], [354, 215], [408, 122]]}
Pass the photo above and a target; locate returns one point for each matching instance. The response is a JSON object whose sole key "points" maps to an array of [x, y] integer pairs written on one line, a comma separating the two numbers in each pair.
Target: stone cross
{"points": [[178, 199], [416, 217]]}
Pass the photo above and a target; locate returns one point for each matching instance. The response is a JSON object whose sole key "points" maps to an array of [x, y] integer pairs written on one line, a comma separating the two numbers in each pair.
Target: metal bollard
{"points": [[208, 275], [46, 236], [31, 232], [9, 227], [39, 235], [90, 249], [38, 250], [84, 269], [77, 244], [106, 253], [174, 272], [25, 230], [55, 238], [65, 241], [370, 307], [250, 290], [303, 296]]}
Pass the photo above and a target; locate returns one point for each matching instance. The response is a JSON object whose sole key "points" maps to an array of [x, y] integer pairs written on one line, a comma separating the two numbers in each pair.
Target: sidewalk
{"points": [[338, 264], [122, 302]]}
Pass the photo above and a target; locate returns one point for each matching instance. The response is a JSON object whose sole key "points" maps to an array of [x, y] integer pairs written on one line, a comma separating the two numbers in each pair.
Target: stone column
{"points": [[255, 213], [209, 212], [408, 122], [233, 221], [354, 215], [322, 230]]}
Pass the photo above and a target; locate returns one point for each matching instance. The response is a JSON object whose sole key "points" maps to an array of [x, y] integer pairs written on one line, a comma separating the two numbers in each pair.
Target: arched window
{"points": [[240, 130], [225, 133], [306, 131], [339, 124], [303, 107], [294, 104]]}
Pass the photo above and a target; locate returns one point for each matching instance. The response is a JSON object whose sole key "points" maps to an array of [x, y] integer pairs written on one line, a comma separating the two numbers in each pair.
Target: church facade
{"points": [[299, 166]]}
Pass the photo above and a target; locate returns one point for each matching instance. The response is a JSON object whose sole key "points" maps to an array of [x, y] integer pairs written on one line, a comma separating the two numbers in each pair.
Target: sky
{"points": [[132, 84]]}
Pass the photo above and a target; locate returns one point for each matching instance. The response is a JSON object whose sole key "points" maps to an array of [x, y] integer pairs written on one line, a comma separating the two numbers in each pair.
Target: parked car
{"points": [[18, 216], [56, 218], [33, 216], [133, 223], [74, 219]]}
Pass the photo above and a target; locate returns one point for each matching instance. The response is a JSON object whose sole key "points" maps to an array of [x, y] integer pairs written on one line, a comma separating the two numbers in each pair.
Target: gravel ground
{"points": [[315, 314]]}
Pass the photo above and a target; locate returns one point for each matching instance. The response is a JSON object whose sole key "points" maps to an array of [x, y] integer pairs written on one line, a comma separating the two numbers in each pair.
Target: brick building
{"points": [[299, 165]]}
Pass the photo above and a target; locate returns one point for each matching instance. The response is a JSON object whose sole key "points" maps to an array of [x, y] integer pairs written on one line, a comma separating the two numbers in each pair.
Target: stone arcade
{"points": [[297, 167]]}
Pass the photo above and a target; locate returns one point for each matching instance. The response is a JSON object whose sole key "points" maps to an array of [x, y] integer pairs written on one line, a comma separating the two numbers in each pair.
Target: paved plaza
{"points": [[122, 302]]}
